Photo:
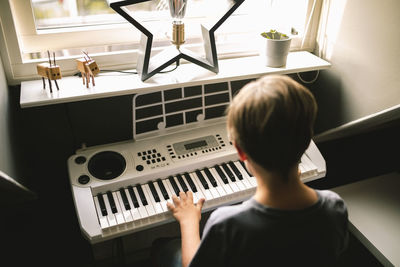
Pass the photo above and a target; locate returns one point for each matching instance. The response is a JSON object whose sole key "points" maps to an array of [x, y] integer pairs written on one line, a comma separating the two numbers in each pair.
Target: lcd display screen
{"points": [[195, 144]]}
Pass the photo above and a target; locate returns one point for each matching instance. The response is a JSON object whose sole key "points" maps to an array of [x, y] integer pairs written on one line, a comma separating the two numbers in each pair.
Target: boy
{"points": [[286, 223]]}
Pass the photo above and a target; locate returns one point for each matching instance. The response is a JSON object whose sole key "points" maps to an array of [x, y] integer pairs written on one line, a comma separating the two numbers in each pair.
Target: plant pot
{"points": [[276, 52]]}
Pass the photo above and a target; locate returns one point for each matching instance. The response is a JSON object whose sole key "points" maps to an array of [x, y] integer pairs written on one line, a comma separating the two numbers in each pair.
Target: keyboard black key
{"points": [[112, 202], [228, 172], [221, 174], [141, 194], [202, 180], [133, 197], [210, 177], [124, 199], [163, 190], [244, 167], [190, 182], [154, 192], [182, 183], [102, 205], [235, 170], [174, 185]]}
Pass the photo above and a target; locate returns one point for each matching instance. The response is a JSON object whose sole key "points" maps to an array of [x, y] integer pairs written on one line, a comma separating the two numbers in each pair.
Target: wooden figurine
{"points": [[49, 70], [88, 68]]}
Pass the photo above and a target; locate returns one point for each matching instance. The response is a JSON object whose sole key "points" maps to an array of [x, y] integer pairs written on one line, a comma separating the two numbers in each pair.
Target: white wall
{"points": [[361, 39], [6, 154]]}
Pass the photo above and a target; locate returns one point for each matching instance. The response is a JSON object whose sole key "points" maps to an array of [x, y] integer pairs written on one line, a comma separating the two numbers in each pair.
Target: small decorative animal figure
{"points": [[49, 70], [88, 68]]}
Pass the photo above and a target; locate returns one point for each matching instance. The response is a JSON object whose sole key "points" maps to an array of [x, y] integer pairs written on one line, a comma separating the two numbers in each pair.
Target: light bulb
{"points": [[177, 10]]}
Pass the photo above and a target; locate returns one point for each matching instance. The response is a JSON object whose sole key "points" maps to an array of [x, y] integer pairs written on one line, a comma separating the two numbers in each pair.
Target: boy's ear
{"points": [[242, 155]]}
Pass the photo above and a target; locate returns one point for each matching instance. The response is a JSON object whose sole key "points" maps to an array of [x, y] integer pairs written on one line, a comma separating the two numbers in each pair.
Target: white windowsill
{"points": [[117, 84]]}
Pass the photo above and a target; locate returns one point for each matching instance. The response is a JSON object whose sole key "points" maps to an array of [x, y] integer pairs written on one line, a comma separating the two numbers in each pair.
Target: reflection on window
{"points": [[253, 16]]}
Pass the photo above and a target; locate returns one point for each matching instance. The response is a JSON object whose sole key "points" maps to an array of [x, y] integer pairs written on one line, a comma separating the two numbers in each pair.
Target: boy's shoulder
{"points": [[327, 200], [332, 203], [224, 213], [328, 197]]}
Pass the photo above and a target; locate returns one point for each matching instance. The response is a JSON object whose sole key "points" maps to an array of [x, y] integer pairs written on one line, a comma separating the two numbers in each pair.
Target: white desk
{"points": [[374, 215]]}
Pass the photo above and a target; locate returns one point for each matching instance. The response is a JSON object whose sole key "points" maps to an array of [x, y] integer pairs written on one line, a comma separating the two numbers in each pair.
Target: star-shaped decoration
{"points": [[147, 67]]}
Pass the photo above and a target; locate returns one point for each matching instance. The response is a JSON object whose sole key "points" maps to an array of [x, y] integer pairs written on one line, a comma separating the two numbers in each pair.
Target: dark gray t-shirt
{"points": [[251, 234]]}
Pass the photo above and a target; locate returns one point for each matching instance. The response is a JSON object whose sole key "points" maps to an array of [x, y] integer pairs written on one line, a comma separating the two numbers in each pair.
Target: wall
{"points": [[7, 162], [360, 38]]}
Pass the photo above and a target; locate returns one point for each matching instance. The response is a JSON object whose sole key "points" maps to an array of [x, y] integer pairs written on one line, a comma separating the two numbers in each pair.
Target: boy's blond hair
{"points": [[271, 120]]}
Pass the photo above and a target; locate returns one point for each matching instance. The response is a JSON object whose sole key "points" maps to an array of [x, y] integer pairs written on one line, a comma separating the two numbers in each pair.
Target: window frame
{"points": [[21, 35]]}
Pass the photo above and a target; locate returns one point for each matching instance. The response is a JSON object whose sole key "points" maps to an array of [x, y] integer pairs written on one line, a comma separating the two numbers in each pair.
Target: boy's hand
{"points": [[183, 208]]}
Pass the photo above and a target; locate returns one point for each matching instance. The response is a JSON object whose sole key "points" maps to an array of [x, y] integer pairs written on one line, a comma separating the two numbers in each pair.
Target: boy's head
{"points": [[271, 120]]}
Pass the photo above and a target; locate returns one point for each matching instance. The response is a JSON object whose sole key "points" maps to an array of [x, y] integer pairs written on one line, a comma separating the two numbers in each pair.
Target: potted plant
{"points": [[276, 48]]}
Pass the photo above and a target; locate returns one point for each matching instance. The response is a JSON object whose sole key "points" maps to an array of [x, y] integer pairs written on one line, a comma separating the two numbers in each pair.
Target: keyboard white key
{"points": [[112, 221], [118, 215], [134, 211], [199, 193], [227, 189], [142, 210], [102, 219], [149, 207], [126, 213], [163, 202], [206, 192], [251, 179], [211, 189], [195, 194], [156, 205]]}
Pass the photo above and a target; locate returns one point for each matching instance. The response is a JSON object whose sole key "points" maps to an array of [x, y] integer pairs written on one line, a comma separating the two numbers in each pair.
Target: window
{"points": [[67, 27]]}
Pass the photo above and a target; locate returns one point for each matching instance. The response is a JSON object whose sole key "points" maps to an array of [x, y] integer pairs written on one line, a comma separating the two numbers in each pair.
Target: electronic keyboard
{"points": [[122, 188]]}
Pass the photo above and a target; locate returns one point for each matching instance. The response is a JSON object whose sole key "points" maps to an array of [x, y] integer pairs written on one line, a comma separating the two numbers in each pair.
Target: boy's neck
{"points": [[288, 194]]}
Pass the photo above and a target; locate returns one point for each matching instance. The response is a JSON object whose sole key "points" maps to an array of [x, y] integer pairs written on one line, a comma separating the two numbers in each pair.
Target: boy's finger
{"points": [[190, 195], [200, 203], [182, 195], [176, 200], [170, 206]]}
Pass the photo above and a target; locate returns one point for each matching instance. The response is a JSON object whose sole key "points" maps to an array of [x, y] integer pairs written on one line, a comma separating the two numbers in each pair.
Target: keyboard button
{"points": [[174, 185], [154, 191], [182, 183], [134, 210], [200, 177], [213, 188], [141, 208], [111, 201], [168, 188], [119, 216], [200, 193], [154, 206], [102, 218], [163, 202], [228, 172], [235, 170], [142, 197], [102, 205], [110, 215], [251, 179], [218, 184], [190, 182], [126, 212], [164, 192], [186, 177], [210, 177], [244, 167], [151, 210], [125, 201], [133, 197], [227, 187], [221, 174], [201, 183]]}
